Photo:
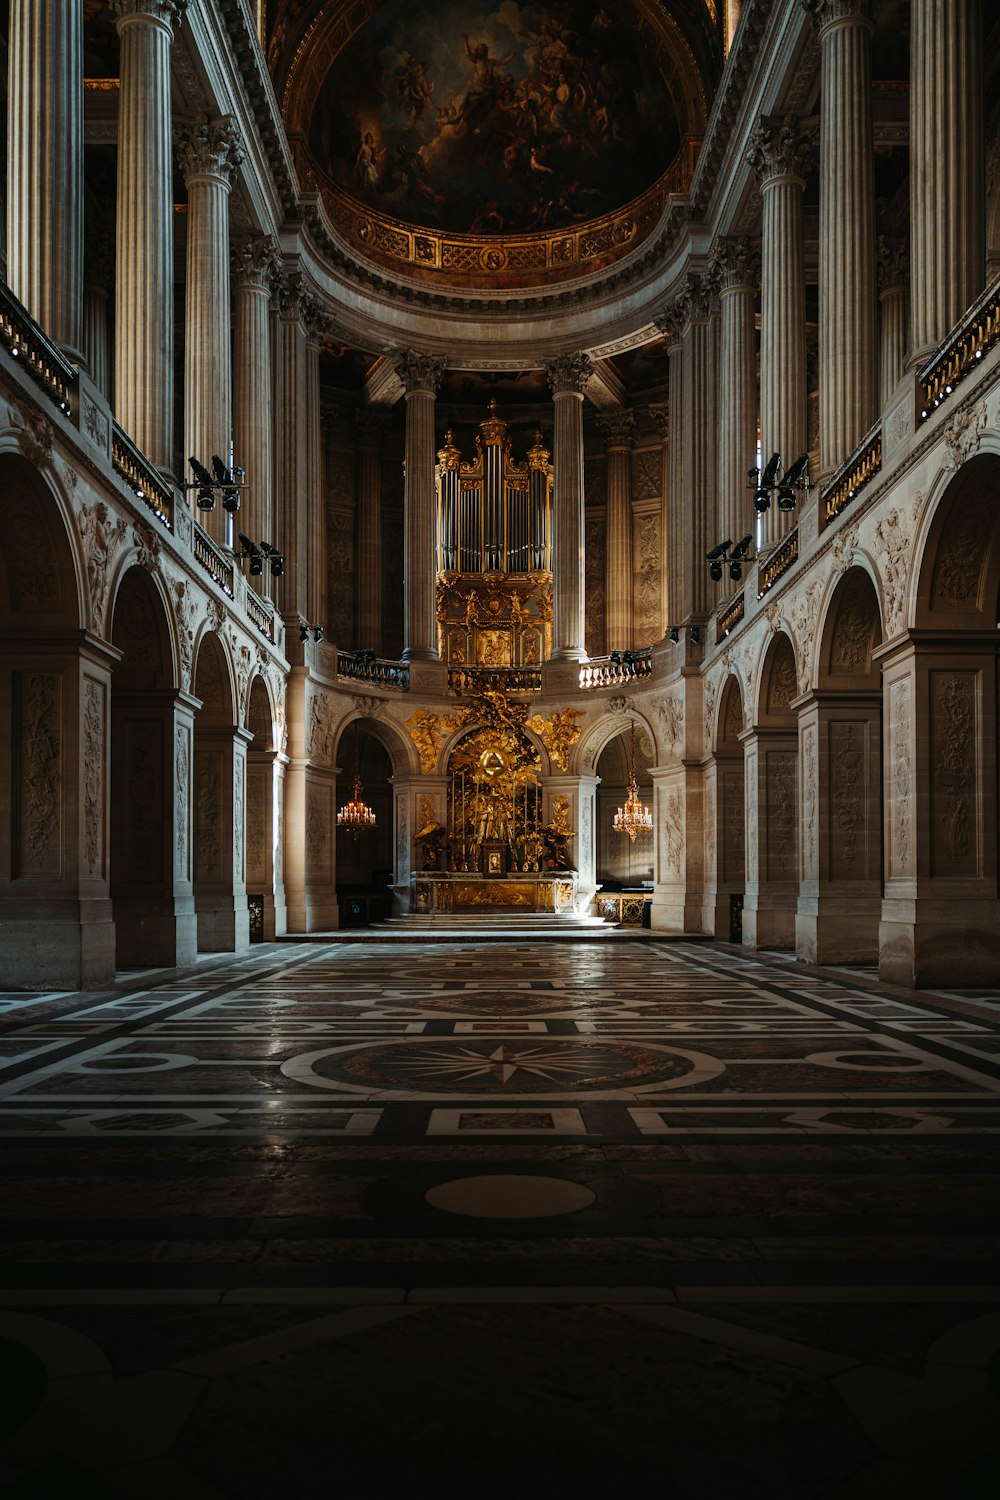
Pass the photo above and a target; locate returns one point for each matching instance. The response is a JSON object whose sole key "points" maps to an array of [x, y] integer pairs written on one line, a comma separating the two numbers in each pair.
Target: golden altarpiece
{"points": [[494, 621]]}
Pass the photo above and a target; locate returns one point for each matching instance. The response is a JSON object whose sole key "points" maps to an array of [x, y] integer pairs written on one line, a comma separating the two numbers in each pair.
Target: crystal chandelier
{"points": [[633, 818], [356, 815]]}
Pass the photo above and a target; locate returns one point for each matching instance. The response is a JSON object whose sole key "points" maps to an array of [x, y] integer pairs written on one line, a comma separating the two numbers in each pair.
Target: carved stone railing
{"points": [[360, 666], [217, 564], [141, 478], [468, 681], [777, 565], [260, 612], [730, 614], [22, 337], [853, 475], [618, 668], [975, 336]]}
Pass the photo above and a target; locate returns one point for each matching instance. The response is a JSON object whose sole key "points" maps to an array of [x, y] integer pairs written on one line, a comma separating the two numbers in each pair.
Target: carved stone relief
{"points": [[40, 773], [673, 827], [751, 814], [93, 776], [853, 632], [647, 474], [711, 693], [671, 712], [781, 683], [893, 542], [805, 617], [646, 581], [32, 574], [844, 547], [35, 434], [848, 797], [899, 737], [239, 829], [810, 799], [780, 822], [954, 776], [148, 546], [321, 730], [963, 555], [186, 615], [182, 781], [963, 434], [208, 810]]}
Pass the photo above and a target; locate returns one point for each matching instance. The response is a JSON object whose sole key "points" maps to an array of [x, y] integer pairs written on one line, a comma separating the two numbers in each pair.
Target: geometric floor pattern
{"points": [[523, 1218]]}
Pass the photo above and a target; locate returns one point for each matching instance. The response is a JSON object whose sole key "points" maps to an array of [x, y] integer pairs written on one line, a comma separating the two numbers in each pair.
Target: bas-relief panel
{"points": [[94, 720], [780, 822], [851, 849], [955, 837], [478, 117], [646, 579], [319, 841], [143, 799], [340, 543], [595, 562], [208, 792], [733, 832], [38, 714], [258, 803]]}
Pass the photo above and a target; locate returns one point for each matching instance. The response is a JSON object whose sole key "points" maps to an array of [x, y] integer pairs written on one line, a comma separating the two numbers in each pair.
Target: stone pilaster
{"points": [[144, 278], [45, 166], [659, 413], [372, 425], [220, 890], [619, 431], [947, 191], [771, 767], [568, 377], [780, 152], [893, 267], [693, 465], [847, 326], [253, 405], [208, 155], [99, 266], [421, 375], [316, 550], [671, 326], [291, 468], [736, 267]]}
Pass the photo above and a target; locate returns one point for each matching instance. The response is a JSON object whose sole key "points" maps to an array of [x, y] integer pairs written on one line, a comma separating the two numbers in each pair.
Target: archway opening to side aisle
{"points": [[366, 867], [624, 865]]}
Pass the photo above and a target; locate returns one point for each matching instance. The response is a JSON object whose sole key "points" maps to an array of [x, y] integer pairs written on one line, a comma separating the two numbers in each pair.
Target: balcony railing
{"points": [[730, 614], [141, 478], [364, 666], [852, 477], [260, 612], [975, 336], [777, 565], [21, 335], [468, 681], [618, 668], [217, 564]]}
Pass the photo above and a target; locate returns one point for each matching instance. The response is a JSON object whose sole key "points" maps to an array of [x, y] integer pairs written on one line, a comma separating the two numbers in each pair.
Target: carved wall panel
{"points": [[595, 569], [963, 556], [673, 827], [94, 720], [209, 783], [779, 825], [955, 791], [239, 827], [32, 569], [752, 816], [647, 579], [900, 747], [258, 808], [851, 823], [319, 838], [340, 580], [647, 473], [144, 785], [182, 805], [733, 830], [38, 715], [810, 803]]}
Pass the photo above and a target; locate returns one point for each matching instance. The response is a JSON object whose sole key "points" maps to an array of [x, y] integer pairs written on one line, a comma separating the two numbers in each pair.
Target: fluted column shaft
{"points": [[619, 434], [291, 488], [675, 472], [94, 342], [737, 268], [847, 324], [208, 155], [253, 407], [947, 226], [45, 166], [700, 374], [893, 279], [421, 376], [372, 425], [568, 376], [780, 152], [316, 551], [659, 412], [144, 278]]}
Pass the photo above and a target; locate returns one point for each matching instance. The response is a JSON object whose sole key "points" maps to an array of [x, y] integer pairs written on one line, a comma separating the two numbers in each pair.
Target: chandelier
{"points": [[633, 818], [356, 815]]}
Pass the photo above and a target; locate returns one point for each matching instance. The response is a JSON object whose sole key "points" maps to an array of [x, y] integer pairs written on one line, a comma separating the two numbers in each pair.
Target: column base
{"points": [[672, 912], [837, 937], [223, 924], [70, 949], [312, 912], [768, 926], [155, 931], [921, 944]]}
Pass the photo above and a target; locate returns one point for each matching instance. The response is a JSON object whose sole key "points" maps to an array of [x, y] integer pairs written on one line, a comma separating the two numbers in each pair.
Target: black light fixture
{"points": [[717, 559], [740, 555], [675, 633], [221, 482], [249, 551], [275, 558], [305, 631], [771, 481]]}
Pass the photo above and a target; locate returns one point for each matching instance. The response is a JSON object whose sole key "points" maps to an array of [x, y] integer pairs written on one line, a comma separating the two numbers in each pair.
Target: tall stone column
{"points": [[220, 890], [99, 268], [780, 151], [291, 468], [372, 425], [253, 405], [421, 375], [659, 413], [847, 326], [671, 326], [772, 884], [144, 277], [736, 266], [208, 155], [947, 188], [619, 432], [45, 166], [893, 284], [568, 376], [693, 467], [316, 552]]}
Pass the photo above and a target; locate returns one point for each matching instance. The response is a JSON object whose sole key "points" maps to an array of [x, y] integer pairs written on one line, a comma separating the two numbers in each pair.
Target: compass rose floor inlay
{"points": [[578, 1206]]}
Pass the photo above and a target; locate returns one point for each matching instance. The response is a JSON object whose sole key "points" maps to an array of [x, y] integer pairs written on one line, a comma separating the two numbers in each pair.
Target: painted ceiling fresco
{"points": [[474, 116]]}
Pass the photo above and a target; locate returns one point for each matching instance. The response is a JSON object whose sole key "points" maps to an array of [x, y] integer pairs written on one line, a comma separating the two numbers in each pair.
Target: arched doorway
{"points": [[725, 822], [150, 786], [772, 811], [219, 806], [940, 913], [54, 750], [365, 862], [624, 864], [265, 792], [840, 725]]}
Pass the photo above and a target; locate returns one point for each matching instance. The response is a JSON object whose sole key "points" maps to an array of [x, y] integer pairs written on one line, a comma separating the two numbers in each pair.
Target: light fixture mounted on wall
{"points": [[634, 818], [305, 631], [258, 556], [225, 483], [721, 557], [772, 481]]}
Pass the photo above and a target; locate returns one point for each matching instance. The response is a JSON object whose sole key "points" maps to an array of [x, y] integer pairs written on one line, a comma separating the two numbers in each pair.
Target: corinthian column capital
{"points": [[618, 428], [169, 11], [892, 263], [569, 373], [735, 263], [781, 146], [210, 149], [659, 413], [826, 13], [253, 261], [418, 372]]}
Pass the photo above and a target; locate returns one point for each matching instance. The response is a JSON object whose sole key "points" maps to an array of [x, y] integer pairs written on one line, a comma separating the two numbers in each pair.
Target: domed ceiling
{"points": [[494, 142]]}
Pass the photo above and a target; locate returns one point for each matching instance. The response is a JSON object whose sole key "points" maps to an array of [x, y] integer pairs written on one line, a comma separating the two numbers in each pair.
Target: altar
{"points": [[439, 891]]}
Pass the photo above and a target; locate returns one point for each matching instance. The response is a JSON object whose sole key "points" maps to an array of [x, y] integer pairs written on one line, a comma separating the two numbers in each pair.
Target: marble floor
{"points": [[527, 1217]]}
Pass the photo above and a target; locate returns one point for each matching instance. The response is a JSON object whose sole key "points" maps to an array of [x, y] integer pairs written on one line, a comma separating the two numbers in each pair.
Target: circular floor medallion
{"points": [[508, 1197]]}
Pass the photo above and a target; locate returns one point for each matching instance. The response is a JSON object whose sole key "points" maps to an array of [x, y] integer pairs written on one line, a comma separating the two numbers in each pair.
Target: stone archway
{"points": [[840, 724], [725, 822], [219, 806], [365, 864], [55, 691], [621, 863], [265, 793], [772, 810], [150, 786], [940, 913]]}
